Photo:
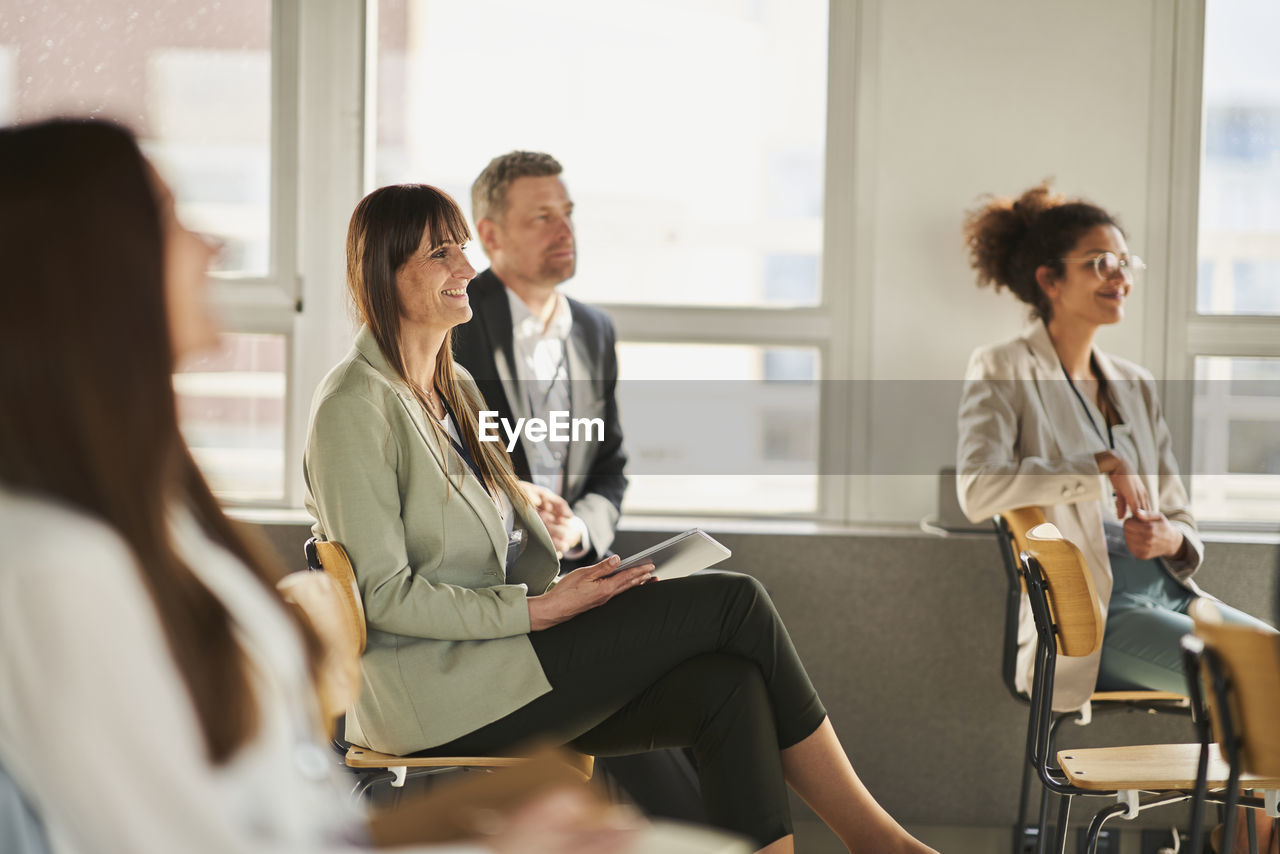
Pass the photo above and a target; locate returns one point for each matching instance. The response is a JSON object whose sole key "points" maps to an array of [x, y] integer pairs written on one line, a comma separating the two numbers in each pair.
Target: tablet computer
{"points": [[681, 555]]}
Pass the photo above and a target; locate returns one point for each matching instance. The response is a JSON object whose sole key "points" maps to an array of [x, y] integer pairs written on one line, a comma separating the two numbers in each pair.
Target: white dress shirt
{"points": [[542, 372]]}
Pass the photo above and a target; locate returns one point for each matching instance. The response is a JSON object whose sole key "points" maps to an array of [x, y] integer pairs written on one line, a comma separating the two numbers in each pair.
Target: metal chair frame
{"points": [[1042, 725], [1202, 661], [1155, 703]]}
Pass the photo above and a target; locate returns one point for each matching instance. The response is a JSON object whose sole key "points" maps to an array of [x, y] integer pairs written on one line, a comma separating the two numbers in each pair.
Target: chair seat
{"points": [[1137, 697], [362, 757], [1149, 767]]}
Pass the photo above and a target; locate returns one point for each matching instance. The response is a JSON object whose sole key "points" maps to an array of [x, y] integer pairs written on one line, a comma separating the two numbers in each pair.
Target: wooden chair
{"points": [[1011, 529], [1240, 671], [1069, 622], [337, 614]]}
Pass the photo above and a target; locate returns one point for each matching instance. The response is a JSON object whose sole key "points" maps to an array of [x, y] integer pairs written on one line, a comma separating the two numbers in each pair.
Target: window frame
{"points": [[317, 97], [324, 87], [1179, 334]]}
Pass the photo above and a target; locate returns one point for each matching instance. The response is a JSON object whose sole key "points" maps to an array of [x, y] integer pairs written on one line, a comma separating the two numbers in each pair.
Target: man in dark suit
{"points": [[534, 351]]}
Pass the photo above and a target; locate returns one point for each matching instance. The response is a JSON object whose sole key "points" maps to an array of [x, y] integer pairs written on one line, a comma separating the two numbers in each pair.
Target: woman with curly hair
{"points": [[1049, 420]]}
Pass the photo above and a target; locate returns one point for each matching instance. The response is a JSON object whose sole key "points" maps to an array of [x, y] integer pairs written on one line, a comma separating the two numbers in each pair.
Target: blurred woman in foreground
{"points": [[155, 696]]}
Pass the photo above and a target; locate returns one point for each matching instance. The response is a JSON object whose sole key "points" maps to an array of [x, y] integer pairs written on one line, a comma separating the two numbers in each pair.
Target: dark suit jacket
{"points": [[594, 482]]}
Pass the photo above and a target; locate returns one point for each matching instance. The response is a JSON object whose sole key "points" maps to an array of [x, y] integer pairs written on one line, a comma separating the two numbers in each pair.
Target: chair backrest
{"points": [[1073, 600], [316, 596], [1250, 661], [1011, 529], [332, 558]]}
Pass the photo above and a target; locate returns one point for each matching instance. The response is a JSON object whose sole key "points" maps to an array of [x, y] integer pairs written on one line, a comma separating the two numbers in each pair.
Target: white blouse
{"points": [[97, 727]]}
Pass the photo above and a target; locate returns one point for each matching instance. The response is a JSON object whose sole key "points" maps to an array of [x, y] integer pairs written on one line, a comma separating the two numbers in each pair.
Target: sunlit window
{"points": [[720, 429], [193, 80], [232, 407], [1236, 443], [692, 131]]}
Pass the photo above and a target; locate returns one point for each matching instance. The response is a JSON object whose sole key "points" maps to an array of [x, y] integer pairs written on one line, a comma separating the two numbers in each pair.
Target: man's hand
{"points": [[556, 514], [582, 590], [1149, 534]]}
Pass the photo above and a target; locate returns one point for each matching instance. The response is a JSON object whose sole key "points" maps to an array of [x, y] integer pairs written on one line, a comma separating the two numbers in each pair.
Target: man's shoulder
{"points": [[471, 342], [590, 317], [485, 286]]}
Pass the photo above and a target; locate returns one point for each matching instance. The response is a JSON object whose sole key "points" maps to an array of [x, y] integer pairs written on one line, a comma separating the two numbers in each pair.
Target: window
{"points": [[694, 150], [193, 82], [1234, 336], [701, 443], [232, 407], [197, 84]]}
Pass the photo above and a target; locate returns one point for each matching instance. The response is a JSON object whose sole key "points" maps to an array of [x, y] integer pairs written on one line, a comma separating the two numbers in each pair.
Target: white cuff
{"points": [[584, 545]]}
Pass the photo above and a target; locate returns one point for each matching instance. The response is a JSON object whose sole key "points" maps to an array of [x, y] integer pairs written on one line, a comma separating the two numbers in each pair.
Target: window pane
{"points": [[1239, 271], [232, 406], [692, 132], [193, 80], [720, 429], [1236, 448]]}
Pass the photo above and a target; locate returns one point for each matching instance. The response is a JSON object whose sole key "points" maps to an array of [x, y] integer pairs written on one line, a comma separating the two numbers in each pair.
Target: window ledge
{"points": [[760, 526]]}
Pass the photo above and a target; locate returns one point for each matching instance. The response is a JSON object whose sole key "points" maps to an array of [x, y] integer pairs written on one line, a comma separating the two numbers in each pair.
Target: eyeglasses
{"points": [[1109, 265]]}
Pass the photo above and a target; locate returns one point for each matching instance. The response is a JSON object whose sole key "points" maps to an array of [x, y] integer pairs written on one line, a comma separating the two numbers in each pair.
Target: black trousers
{"points": [[701, 662]]}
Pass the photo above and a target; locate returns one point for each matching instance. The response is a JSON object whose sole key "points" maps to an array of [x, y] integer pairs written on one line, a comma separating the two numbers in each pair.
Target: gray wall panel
{"points": [[901, 634]]}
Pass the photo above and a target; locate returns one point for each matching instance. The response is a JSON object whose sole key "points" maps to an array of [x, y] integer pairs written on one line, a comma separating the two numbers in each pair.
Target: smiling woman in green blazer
{"points": [[470, 646]]}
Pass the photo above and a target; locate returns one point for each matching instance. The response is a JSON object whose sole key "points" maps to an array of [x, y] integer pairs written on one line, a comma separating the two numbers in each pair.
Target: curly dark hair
{"points": [[1009, 239]]}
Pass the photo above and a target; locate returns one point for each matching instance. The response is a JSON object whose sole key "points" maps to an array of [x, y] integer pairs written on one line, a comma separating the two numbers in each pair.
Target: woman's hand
{"points": [[567, 821], [582, 590], [1131, 492], [1149, 534]]}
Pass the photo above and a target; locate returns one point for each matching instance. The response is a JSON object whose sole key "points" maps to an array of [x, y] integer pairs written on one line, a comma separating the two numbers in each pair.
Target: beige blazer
{"points": [[448, 648], [1022, 444]]}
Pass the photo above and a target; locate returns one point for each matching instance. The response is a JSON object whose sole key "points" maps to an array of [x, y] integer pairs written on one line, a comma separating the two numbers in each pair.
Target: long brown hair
{"points": [[87, 392], [386, 229]]}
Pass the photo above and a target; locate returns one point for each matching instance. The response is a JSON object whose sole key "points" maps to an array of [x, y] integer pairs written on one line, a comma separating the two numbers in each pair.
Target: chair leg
{"points": [[1064, 817], [1095, 826], [1042, 827], [1042, 845], [365, 782], [1020, 826]]}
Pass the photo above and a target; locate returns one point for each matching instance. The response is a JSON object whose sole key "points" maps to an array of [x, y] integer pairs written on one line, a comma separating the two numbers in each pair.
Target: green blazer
{"points": [[448, 648]]}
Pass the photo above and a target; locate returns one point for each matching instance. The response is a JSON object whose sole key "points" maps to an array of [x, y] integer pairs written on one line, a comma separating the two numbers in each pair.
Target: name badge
{"points": [[515, 545]]}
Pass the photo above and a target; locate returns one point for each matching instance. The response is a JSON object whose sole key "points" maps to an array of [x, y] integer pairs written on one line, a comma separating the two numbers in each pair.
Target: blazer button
{"points": [[1066, 490]]}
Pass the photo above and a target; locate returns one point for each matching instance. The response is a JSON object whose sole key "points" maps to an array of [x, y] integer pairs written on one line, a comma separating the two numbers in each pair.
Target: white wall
{"points": [[990, 96]]}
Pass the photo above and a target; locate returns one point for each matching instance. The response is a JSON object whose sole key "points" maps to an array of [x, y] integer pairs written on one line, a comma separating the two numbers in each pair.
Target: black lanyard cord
{"points": [[1110, 439], [562, 366], [460, 447]]}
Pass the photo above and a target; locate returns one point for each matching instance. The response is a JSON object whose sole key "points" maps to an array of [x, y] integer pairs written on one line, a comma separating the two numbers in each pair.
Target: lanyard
{"points": [[1110, 440], [515, 539], [459, 447], [561, 366]]}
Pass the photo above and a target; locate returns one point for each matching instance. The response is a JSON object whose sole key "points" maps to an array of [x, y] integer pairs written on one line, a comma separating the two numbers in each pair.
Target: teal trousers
{"points": [[1146, 620]]}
